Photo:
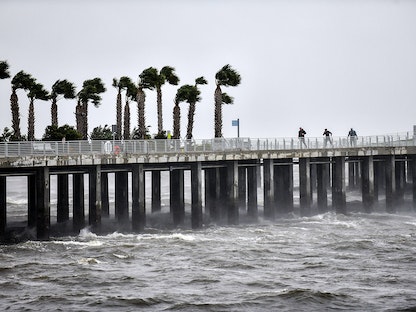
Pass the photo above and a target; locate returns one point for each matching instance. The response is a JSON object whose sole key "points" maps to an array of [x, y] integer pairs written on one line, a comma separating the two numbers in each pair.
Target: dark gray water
{"points": [[328, 262], [358, 262]]}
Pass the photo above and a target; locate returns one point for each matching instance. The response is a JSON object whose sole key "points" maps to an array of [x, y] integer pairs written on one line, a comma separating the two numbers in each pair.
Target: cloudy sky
{"points": [[313, 63]]}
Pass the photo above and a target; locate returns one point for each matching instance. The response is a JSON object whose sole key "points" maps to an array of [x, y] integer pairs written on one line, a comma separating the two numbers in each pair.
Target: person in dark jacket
{"points": [[301, 136], [353, 137], [328, 135]]}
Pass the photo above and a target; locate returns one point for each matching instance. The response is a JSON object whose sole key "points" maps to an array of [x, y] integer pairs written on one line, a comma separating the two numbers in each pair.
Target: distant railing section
{"points": [[217, 145]]}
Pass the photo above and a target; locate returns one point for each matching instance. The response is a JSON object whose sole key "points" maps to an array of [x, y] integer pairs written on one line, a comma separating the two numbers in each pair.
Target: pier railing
{"points": [[217, 145]]}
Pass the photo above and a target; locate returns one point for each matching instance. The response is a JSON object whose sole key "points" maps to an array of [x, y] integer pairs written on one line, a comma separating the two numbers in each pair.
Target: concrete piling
{"points": [[231, 189]]}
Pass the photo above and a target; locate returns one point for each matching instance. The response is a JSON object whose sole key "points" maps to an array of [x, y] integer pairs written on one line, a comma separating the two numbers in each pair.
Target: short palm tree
{"points": [[226, 77], [151, 79], [36, 92], [90, 91], [22, 81], [64, 88]]}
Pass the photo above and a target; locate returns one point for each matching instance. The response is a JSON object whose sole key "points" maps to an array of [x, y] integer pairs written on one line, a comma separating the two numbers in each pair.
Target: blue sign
{"points": [[235, 123]]}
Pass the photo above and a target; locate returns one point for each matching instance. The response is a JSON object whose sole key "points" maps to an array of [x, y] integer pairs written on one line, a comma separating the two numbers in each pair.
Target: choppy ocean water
{"points": [[355, 262]]}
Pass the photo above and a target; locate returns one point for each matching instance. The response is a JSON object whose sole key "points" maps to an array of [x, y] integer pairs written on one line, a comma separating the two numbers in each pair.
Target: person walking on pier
{"points": [[353, 137], [328, 135], [301, 136]]}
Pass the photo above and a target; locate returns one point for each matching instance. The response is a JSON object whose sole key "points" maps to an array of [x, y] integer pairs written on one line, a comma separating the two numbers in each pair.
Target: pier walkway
{"points": [[225, 176]]}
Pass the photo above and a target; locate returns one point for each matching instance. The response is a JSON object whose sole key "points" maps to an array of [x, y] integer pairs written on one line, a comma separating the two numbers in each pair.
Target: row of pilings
{"points": [[221, 191]]}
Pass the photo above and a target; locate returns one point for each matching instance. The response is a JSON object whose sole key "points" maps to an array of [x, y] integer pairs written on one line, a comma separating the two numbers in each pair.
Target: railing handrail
{"points": [[183, 146]]}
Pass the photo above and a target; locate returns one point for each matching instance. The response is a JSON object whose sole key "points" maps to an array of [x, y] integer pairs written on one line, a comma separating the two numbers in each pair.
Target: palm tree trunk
{"points": [[119, 115], [159, 111], [141, 96], [176, 121], [191, 114], [14, 106], [31, 122], [218, 112], [127, 121], [84, 115], [78, 116], [54, 113]]}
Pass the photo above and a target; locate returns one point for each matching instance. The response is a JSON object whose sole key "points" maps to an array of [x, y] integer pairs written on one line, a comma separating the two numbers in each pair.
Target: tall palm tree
{"points": [[79, 115], [226, 77], [64, 88], [131, 93], [4, 74], [36, 92], [140, 99], [153, 79], [4, 70], [120, 85], [23, 81], [90, 91]]}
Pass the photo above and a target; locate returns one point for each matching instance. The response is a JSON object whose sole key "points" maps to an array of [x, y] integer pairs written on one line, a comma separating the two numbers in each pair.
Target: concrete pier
{"points": [[225, 189]]}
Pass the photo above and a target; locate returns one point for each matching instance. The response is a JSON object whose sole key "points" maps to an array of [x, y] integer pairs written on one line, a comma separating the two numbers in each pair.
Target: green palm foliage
{"points": [[151, 79], [4, 70], [192, 100], [226, 77], [91, 90], [191, 95], [22, 81], [36, 92], [64, 88]]}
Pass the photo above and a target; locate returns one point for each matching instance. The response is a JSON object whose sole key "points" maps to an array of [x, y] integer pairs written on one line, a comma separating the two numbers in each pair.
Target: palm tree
{"points": [[152, 79], [23, 81], [91, 90], [226, 77], [4, 74], [140, 99], [120, 85], [192, 100], [36, 92], [191, 95], [64, 88], [131, 93], [186, 93], [177, 114], [4, 70]]}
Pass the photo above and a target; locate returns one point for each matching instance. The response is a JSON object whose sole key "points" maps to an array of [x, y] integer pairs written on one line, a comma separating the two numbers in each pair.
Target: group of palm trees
{"points": [[150, 79]]}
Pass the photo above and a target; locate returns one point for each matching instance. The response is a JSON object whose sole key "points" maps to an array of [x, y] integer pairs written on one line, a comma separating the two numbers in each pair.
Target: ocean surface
{"points": [[327, 262]]}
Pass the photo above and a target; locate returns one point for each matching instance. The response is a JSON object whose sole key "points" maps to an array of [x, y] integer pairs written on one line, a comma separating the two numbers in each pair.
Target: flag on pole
{"points": [[235, 123]]}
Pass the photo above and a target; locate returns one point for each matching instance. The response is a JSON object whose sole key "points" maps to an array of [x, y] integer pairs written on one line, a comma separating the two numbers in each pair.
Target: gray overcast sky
{"points": [[313, 63]]}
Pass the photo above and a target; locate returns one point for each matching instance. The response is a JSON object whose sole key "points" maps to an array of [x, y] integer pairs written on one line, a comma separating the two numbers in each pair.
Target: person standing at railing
{"points": [[301, 136], [328, 135], [353, 137]]}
